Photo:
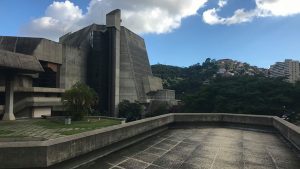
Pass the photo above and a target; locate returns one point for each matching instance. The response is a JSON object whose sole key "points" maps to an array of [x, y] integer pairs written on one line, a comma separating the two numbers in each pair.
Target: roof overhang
{"points": [[19, 63]]}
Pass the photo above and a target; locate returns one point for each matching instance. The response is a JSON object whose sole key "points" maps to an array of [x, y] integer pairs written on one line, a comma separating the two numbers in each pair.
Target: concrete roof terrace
{"points": [[182, 141], [204, 148]]}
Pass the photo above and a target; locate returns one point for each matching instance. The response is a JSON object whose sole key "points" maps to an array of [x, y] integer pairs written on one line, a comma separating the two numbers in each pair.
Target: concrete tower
{"points": [[113, 24]]}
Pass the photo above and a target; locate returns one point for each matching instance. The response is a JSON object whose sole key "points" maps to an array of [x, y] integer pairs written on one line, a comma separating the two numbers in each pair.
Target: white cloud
{"points": [[211, 17], [60, 18], [141, 16], [264, 8], [279, 7], [222, 3]]}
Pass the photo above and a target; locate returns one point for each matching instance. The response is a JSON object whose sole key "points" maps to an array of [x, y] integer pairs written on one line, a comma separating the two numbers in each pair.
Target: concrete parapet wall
{"points": [[35, 90], [19, 156], [290, 131], [223, 117], [196, 117], [46, 153], [65, 148], [248, 119]]}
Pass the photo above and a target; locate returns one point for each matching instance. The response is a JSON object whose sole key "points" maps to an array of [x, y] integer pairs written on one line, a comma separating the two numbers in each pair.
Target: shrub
{"points": [[157, 108], [130, 111], [79, 100]]}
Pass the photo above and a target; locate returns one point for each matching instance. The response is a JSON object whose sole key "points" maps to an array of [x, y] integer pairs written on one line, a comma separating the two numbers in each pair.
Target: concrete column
{"points": [[9, 99], [113, 24]]}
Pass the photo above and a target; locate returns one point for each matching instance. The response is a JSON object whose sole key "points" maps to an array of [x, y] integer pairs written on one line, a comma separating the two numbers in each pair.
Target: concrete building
{"points": [[289, 69], [109, 58]]}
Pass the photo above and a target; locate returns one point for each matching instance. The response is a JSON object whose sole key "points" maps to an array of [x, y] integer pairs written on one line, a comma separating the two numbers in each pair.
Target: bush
{"points": [[79, 100], [157, 108], [130, 111]]}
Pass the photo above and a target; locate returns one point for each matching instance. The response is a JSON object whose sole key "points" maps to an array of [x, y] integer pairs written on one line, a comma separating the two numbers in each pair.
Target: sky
{"points": [[176, 32]]}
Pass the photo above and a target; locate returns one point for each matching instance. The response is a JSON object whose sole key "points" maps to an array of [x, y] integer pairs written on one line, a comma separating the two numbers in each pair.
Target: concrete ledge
{"points": [[290, 131], [94, 155], [35, 90], [223, 117], [32, 154], [86, 142], [37, 102]]}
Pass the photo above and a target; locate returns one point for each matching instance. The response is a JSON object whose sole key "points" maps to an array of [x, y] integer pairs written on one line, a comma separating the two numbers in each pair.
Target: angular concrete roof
{"points": [[19, 62], [43, 49], [78, 38], [25, 45]]}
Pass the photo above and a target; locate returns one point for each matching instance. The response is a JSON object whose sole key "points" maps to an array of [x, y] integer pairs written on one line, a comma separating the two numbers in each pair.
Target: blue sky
{"points": [[182, 35]]}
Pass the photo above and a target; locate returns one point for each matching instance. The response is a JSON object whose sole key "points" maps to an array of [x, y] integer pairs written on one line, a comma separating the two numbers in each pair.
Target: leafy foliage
{"points": [[130, 111], [253, 95], [238, 94], [185, 79], [79, 100], [157, 108]]}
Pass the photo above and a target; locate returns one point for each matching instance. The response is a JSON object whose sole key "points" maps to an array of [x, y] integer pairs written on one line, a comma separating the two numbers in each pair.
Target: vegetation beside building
{"points": [[79, 100], [130, 111], [203, 89]]}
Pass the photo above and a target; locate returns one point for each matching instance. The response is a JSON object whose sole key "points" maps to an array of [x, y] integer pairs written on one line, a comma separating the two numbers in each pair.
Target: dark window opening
{"points": [[2, 98], [48, 78]]}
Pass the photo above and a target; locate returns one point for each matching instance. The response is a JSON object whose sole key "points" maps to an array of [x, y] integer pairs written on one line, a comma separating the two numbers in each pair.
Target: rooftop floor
{"points": [[201, 148]]}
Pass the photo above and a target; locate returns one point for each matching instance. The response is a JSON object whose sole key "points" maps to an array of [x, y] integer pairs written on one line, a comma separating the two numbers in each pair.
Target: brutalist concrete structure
{"points": [[109, 58]]}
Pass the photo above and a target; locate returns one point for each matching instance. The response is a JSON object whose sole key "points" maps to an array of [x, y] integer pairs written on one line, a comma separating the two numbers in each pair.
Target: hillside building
{"points": [[289, 69]]}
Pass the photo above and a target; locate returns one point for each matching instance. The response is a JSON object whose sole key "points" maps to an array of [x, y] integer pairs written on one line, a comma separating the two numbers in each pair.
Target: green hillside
{"points": [[203, 89]]}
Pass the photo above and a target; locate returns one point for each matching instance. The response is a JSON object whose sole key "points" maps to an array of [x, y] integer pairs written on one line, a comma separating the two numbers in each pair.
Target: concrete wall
{"points": [[74, 67], [113, 22], [168, 95], [49, 51], [23, 81], [134, 66], [41, 111], [46, 153], [288, 130], [152, 83], [127, 77], [223, 117], [43, 49]]}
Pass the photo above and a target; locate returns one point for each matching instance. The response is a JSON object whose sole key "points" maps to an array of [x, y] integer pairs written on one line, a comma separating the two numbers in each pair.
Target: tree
{"points": [[79, 100], [244, 94], [130, 111]]}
